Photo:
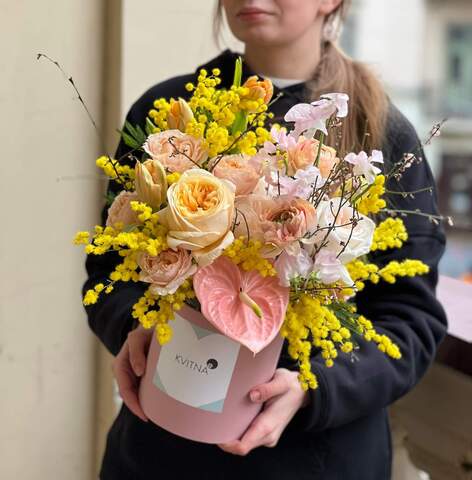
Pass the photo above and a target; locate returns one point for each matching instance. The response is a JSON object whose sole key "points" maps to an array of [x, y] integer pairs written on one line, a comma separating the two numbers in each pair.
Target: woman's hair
{"points": [[336, 72]]}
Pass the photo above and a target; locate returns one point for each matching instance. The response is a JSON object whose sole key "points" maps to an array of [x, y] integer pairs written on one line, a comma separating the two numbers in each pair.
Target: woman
{"points": [[339, 430]]}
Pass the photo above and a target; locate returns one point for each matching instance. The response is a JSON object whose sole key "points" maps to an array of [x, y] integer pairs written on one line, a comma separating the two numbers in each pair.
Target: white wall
{"points": [[162, 39], [48, 191]]}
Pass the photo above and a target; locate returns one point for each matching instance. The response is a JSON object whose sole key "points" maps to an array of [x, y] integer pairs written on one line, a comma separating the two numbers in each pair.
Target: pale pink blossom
{"points": [[177, 151], [167, 271], [301, 185], [291, 266], [283, 140], [238, 170], [363, 164], [329, 268], [120, 210], [313, 116]]}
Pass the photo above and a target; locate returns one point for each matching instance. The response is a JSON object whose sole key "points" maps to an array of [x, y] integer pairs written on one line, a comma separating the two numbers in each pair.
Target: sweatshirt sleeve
{"points": [[110, 318], [407, 311]]}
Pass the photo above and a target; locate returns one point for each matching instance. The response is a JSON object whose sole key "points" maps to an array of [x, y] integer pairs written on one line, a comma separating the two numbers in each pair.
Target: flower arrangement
{"points": [[270, 231]]}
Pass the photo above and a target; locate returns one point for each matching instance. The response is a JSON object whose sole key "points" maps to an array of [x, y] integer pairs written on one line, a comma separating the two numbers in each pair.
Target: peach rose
{"points": [[328, 159], [120, 210], [301, 156], [237, 169], [167, 271], [159, 147], [304, 154], [199, 214], [279, 221], [179, 114], [150, 182]]}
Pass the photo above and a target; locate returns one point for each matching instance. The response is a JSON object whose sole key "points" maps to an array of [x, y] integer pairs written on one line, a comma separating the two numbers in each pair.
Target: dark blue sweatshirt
{"points": [[344, 432]]}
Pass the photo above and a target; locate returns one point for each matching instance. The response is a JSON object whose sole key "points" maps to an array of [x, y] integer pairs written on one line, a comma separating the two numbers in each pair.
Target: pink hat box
{"points": [[197, 385]]}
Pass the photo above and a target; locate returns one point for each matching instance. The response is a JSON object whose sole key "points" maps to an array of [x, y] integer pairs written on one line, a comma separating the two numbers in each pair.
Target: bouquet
{"points": [[266, 233]]}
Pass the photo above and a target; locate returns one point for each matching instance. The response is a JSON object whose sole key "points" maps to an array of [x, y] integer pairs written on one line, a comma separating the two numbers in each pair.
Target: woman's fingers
{"points": [[262, 432], [277, 386], [138, 344], [127, 379]]}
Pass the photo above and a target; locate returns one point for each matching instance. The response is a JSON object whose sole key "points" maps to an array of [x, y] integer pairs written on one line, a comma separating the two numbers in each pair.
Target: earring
{"points": [[330, 31]]}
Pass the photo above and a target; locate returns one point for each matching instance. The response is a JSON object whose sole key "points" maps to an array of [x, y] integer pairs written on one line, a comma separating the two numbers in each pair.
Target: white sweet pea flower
{"points": [[363, 165], [345, 240], [329, 269]]}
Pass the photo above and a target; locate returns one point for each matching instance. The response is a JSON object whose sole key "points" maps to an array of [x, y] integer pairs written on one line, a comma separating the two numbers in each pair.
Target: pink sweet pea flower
{"points": [[313, 116], [302, 183], [283, 140], [291, 266], [363, 164]]}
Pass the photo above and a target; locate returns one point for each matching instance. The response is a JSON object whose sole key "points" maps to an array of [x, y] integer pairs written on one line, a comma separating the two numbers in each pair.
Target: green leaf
{"points": [[238, 72], [109, 198], [240, 123], [149, 126], [130, 141], [141, 137]]}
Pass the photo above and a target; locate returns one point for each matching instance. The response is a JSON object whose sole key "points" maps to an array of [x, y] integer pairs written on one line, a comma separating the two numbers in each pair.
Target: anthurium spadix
{"points": [[242, 305]]}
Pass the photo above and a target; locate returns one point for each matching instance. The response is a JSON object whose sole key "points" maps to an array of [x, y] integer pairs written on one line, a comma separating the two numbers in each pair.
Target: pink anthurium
{"points": [[242, 305]]}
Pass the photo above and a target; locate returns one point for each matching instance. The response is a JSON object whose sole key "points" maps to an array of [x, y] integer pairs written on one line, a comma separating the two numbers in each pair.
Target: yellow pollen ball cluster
{"points": [[247, 255], [371, 201], [391, 233], [165, 306], [383, 342], [114, 170], [360, 271], [214, 114], [406, 268]]}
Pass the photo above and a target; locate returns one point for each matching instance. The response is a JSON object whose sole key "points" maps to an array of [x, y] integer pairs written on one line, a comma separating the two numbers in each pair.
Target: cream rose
{"points": [[120, 210], [358, 239], [176, 150], [238, 170], [167, 271], [199, 215]]}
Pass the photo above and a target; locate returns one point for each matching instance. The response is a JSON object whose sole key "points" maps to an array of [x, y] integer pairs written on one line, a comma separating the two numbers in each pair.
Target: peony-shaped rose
{"points": [[120, 210], [280, 221], [238, 170], [176, 150], [167, 271], [150, 182], [352, 233], [199, 215]]}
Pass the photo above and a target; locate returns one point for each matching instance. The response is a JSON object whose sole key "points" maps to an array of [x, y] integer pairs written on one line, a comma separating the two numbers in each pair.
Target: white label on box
{"points": [[195, 367]]}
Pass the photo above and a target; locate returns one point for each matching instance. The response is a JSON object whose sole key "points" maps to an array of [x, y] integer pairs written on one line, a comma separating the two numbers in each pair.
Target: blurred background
{"points": [[56, 393]]}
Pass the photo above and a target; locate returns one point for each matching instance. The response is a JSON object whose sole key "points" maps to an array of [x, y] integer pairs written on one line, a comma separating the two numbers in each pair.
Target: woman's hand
{"points": [[129, 365], [283, 396]]}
